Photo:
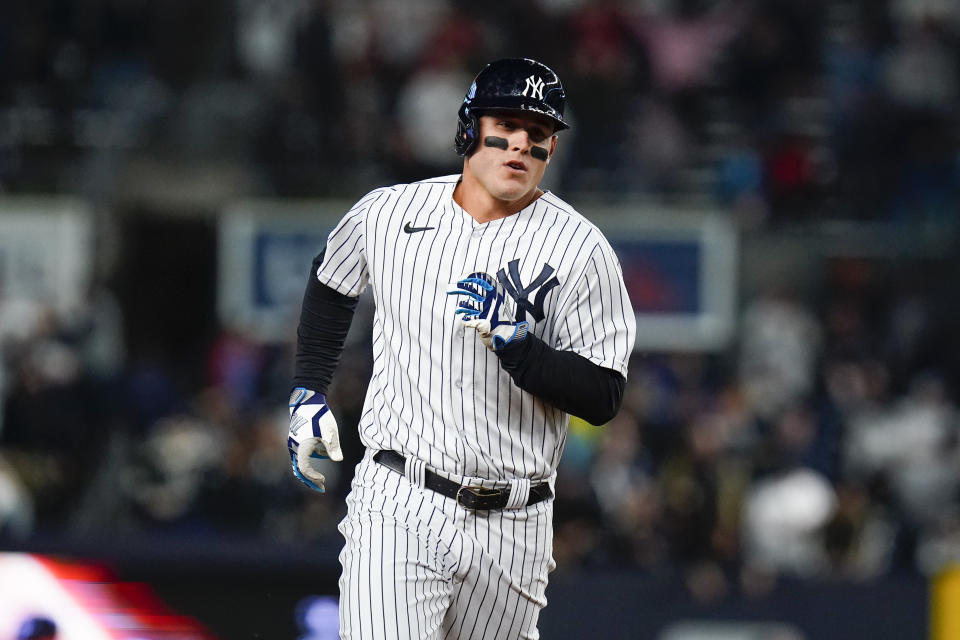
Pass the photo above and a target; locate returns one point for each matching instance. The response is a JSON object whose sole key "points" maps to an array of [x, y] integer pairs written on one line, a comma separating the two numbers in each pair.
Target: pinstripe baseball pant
{"points": [[417, 566]]}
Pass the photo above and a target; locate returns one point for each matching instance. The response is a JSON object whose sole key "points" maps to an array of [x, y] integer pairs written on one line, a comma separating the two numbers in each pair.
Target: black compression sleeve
{"points": [[564, 379], [324, 322]]}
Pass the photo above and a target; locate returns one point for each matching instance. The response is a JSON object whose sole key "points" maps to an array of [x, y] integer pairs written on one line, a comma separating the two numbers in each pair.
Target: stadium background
{"points": [[783, 181]]}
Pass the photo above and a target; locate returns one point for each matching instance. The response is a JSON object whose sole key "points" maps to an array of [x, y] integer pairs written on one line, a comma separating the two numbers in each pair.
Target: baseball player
{"points": [[500, 311]]}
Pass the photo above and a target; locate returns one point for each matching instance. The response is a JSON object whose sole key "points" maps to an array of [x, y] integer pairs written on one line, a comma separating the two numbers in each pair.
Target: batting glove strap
{"points": [[507, 334]]}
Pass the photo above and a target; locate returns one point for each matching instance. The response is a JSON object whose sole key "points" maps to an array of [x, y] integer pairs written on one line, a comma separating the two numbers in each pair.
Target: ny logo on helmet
{"points": [[535, 87]]}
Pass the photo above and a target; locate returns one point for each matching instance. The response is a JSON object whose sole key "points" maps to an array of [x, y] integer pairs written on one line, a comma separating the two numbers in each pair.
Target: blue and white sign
{"points": [[264, 256]]}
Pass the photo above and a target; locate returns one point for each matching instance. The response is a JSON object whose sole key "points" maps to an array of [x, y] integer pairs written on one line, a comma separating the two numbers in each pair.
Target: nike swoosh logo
{"points": [[408, 229]]}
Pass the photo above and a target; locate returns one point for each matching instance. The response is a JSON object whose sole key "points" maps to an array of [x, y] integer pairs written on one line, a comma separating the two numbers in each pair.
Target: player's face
{"points": [[511, 174]]}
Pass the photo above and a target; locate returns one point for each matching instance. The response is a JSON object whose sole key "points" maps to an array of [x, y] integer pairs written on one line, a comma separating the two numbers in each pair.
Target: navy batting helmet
{"points": [[511, 84]]}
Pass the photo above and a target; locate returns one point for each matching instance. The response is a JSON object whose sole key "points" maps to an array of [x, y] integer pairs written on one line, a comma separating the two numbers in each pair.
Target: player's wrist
{"points": [[301, 396], [508, 334], [517, 349], [315, 389]]}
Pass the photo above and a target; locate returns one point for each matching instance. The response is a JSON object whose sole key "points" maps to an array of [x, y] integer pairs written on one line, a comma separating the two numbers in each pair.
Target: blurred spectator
{"points": [[16, 505], [424, 121], [684, 41], [265, 35], [800, 169], [860, 539], [167, 481], [913, 446], [860, 133], [939, 546], [402, 31], [782, 520], [607, 70], [660, 146], [923, 85], [774, 55], [235, 365], [920, 72], [623, 478], [740, 182], [779, 348], [50, 413]]}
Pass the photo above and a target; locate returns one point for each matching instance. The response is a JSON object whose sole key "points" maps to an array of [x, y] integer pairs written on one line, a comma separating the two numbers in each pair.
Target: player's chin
{"points": [[516, 185], [511, 195]]}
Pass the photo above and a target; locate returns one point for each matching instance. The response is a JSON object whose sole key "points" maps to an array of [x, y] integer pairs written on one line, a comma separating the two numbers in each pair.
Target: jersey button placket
{"points": [[462, 249]]}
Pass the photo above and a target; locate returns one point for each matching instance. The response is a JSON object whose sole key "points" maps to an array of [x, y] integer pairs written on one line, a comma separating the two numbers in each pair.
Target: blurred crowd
{"points": [[781, 110], [824, 444], [824, 441]]}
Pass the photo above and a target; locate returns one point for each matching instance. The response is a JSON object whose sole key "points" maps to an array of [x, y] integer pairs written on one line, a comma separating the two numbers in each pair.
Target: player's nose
{"points": [[520, 141]]}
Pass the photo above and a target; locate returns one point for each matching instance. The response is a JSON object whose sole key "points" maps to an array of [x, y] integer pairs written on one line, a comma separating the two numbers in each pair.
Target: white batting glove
{"points": [[313, 436], [481, 308]]}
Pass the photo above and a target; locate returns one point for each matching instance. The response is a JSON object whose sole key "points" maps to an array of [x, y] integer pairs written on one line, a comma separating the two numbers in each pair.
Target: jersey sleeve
{"points": [[344, 266], [595, 317]]}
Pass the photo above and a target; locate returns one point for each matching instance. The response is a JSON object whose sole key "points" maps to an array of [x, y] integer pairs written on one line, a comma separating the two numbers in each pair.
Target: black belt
{"points": [[470, 497]]}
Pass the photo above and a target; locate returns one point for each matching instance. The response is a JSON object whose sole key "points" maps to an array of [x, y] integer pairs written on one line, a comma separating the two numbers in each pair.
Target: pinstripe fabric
{"points": [[415, 564], [436, 392]]}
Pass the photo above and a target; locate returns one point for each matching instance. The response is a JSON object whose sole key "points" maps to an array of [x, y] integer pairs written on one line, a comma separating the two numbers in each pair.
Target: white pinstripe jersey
{"points": [[436, 392]]}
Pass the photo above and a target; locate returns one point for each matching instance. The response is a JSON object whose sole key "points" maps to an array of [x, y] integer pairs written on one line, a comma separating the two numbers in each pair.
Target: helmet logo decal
{"points": [[535, 87]]}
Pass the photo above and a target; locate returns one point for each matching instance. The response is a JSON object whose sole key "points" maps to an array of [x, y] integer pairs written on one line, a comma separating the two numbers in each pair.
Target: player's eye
{"points": [[537, 135]]}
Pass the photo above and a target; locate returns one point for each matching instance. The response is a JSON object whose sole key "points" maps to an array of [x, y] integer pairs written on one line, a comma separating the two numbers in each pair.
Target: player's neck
{"points": [[480, 203]]}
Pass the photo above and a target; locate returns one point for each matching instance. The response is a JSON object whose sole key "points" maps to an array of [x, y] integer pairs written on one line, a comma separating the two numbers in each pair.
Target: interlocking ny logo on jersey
{"points": [[535, 87], [520, 293]]}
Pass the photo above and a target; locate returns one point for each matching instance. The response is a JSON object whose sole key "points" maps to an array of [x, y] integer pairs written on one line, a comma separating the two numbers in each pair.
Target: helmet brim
{"points": [[521, 106]]}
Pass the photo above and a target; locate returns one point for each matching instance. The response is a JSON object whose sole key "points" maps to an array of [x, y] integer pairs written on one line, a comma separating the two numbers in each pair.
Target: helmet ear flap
{"points": [[468, 130]]}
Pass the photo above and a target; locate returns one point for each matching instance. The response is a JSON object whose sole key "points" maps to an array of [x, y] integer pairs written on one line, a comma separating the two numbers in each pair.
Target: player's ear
{"points": [[553, 146]]}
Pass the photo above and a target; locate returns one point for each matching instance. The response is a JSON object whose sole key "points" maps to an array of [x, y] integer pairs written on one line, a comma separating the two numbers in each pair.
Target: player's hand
{"points": [[481, 307], [313, 436]]}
